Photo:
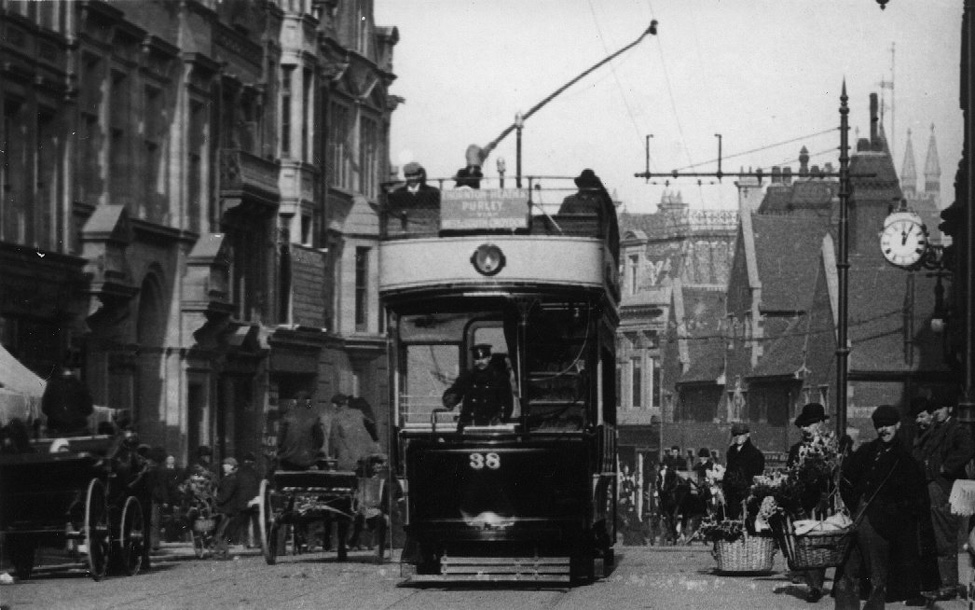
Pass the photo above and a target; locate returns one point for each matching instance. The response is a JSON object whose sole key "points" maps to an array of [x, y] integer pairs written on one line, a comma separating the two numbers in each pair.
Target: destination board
{"points": [[469, 209]]}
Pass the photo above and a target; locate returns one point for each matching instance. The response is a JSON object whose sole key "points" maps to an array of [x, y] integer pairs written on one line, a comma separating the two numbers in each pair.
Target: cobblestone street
{"points": [[646, 577]]}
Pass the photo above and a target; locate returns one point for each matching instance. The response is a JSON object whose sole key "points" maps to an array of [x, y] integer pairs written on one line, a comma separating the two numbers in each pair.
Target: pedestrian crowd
{"points": [[896, 490]]}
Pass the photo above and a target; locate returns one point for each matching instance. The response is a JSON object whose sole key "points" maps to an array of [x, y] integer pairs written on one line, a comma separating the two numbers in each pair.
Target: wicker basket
{"points": [[750, 554], [204, 524], [817, 550]]}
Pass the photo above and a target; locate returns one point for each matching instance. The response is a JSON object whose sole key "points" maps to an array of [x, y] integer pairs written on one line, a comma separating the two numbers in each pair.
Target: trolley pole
{"points": [[842, 269], [520, 119]]}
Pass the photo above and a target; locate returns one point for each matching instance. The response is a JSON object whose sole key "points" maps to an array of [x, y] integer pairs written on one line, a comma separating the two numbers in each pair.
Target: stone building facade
{"points": [[188, 203], [662, 256]]}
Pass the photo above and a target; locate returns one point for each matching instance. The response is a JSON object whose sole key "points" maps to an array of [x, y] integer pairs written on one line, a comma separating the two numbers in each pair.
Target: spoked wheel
{"points": [[275, 542], [132, 536], [98, 533], [264, 524]]}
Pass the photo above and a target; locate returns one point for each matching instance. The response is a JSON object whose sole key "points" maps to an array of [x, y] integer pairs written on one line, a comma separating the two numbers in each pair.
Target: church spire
{"points": [[932, 167], [909, 170]]}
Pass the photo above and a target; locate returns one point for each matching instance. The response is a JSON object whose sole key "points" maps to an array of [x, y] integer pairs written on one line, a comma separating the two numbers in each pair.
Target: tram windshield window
{"points": [[559, 355], [434, 349]]}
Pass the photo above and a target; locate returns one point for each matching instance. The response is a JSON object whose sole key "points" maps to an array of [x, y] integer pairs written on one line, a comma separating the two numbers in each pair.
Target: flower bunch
{"points": [[715, 474], [768, 509], [727, 530], [818, 457], [776, 492]]}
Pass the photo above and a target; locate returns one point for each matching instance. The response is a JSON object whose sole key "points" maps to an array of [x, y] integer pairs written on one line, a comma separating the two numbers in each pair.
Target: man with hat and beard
{"points": [[816, 486], [943, 451], [485, 391], [743, 462], [884, 487]]}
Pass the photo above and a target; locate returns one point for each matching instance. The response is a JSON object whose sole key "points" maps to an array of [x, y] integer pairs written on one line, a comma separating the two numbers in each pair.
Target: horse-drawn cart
{"points": [[293, 500], [73, 501]]}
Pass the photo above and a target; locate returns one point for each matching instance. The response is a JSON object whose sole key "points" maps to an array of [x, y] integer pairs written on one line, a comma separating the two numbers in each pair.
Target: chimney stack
{"points": [[776, 174]]}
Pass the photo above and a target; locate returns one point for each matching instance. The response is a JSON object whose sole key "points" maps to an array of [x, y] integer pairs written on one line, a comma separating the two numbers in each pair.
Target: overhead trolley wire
{"points": [[760, 149]]}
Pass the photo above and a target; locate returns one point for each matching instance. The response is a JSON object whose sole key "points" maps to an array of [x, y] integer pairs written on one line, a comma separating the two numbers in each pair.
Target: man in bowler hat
{"points": [[744, 463], [485, 391], [815, 494]]}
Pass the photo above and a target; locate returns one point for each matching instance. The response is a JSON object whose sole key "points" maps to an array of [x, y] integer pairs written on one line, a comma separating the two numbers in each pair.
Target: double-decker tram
{"points": [[527, 494]]}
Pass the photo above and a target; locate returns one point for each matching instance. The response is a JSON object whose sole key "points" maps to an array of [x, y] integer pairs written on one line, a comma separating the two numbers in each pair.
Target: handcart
{"points": [[197, 513], [67, 499], [292, 500]]}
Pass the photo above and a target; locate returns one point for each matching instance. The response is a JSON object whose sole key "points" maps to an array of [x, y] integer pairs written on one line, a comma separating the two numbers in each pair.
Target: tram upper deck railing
{"points": [[544, 206]]}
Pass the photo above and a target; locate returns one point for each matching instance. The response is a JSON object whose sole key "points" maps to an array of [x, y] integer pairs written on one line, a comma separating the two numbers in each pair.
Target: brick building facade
{"points": [[188, 206]]}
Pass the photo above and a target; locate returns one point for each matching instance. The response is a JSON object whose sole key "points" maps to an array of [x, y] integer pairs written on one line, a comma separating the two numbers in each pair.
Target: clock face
{"points": [[904, 240]]}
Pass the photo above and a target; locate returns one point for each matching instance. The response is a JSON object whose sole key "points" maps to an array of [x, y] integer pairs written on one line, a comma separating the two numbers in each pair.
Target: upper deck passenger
{"points": [[416, 193], [470, 175], [592, 198]]}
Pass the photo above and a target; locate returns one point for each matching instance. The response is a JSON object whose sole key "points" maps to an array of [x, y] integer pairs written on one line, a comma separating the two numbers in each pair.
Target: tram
{"points": [[531, 498]]}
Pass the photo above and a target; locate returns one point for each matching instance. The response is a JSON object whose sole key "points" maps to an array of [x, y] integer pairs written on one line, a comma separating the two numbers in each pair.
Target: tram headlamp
{"points": [[488, 259]]}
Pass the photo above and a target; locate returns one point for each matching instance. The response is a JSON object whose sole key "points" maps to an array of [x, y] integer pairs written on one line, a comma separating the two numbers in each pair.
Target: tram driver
{"points": [[484, 391]]}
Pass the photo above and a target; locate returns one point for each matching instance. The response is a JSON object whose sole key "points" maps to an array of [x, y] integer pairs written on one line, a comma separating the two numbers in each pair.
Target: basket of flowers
{"points": [[809, 543], [735, 549]]}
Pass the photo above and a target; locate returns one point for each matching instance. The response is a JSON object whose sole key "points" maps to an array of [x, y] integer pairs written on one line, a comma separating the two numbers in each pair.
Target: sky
{"points": [[765, 74]]}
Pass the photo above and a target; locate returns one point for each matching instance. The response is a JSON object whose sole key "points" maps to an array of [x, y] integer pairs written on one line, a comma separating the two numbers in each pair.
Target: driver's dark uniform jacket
{"points": [[486, 395]]}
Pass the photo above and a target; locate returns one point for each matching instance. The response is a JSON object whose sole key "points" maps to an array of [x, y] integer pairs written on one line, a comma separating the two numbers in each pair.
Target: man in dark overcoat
{"points": [[744, 462], [884, 486], [485, 391], [67, 403], [943, 451], [416, 193], [227, 505], [301, 435]]}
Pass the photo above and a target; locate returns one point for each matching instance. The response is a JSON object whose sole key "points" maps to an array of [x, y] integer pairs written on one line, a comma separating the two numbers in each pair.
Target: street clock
{"points": [[904, 241]]}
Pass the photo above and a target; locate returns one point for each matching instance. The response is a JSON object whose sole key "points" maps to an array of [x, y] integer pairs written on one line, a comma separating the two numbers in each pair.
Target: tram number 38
{"points": [[479, 461]]}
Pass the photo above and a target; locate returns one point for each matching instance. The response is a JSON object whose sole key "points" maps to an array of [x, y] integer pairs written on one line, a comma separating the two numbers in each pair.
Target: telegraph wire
{"points": [[612, 69]]}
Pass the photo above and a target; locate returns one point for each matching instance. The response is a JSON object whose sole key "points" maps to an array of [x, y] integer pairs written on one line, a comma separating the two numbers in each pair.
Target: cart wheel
{"points": [[98, 533], [264, 517], [275, 539], [132, 537]]}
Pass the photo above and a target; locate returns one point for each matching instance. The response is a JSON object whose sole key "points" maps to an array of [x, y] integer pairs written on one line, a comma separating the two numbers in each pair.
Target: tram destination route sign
{"points": [[469, 209]]}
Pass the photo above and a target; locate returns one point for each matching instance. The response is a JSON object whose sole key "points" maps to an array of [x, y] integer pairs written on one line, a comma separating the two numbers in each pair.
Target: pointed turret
{"points": [[932, 167], [909, 170]]}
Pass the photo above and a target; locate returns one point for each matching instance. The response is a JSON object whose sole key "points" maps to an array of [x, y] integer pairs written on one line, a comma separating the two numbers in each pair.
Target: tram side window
{"points": [[559, 380]]}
